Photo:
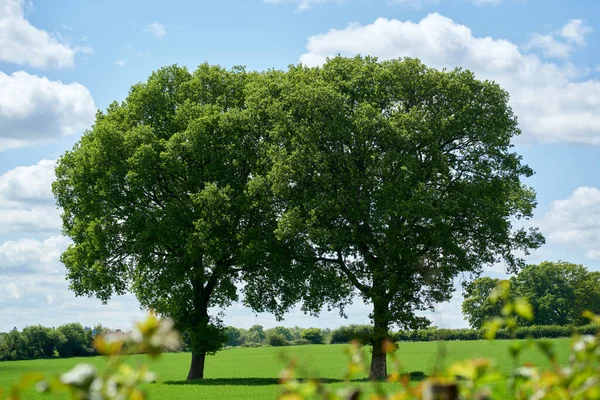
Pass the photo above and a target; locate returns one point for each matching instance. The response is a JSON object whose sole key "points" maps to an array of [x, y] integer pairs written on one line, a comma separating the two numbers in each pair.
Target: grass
{"points": [[251, 373]]}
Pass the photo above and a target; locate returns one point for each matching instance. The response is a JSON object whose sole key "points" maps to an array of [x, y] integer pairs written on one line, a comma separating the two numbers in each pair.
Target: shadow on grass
{"points": [[414, 376]]}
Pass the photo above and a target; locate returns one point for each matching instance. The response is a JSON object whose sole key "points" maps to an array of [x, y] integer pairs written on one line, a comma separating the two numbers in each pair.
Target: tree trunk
{"points": [[378, 369], [197, 366]]}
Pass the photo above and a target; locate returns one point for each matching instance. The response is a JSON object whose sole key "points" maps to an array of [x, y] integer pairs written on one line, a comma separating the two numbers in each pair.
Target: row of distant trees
{"points": [[74, 340], [33, 342], [277, 336], [559, 293]]}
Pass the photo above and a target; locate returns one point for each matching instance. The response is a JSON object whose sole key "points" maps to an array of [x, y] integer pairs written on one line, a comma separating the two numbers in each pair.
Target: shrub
{"points": [[313, 335], [525, 332], [252, 345], [346, 334], [234, 336], [277, 339], [280, 330]]}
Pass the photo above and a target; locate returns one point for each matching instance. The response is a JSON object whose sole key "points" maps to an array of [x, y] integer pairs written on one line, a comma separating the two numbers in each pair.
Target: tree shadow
{"points": [[238, 382], [414, 376]]}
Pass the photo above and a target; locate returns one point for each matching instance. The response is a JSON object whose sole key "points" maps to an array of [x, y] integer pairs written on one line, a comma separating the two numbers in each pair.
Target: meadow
{"points": [[251, 373]]}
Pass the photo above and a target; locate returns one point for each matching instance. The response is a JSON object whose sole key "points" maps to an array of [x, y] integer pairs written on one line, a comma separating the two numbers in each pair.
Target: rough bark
{"points": [[201, 319], [378, 369], [197, 366]]}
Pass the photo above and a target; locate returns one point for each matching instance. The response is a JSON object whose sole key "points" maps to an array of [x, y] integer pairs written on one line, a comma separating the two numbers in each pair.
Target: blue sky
{"points": [[61, 60]]}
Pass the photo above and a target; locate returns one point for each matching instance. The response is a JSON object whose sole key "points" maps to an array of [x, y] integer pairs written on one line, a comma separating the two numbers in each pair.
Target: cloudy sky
{"points": [[62, 60]]}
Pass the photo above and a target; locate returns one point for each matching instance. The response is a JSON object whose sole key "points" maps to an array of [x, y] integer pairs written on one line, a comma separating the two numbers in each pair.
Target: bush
{"points": [[234, 336], [277, 339], [526, 332], [252, 345], [346, 334], [280, 330], [313, 335]]}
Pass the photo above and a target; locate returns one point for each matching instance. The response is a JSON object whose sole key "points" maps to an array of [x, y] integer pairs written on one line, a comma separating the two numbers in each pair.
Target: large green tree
{"points": [[559, 293], [396, 178], [477, 306], [165, 196]]}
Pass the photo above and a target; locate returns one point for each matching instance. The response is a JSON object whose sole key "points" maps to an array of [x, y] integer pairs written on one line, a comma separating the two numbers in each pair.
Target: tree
{"points": [[255, 334], [313, 335], [73, 342], [281, 330], [41, 341], [234, 336], [395, 178], [587, 297], [559, 292], [477, 307], [276, 339], [165, 196]]}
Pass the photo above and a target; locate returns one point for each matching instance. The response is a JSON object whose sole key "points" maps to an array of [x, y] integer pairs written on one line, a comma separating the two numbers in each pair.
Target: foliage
{"points": [[474, 378], [118, 380], [33, 342], [166, 197], [313, 335], [349, 333], [277, 339], [477, 307], [74, 344], [559, 292], [281, 330], [393, 178], [255, 334], [234, 336], [521, 332]]}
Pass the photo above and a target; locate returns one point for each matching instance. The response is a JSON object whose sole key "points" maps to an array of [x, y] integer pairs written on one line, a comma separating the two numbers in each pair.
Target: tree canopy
{"points": [[559, 293], [477, 306], [396, 178], [383, 178], [166, 197]]}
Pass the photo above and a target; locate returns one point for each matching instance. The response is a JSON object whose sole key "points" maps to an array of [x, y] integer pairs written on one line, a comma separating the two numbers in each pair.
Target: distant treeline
{"points": [[69, 340], [74, 340], [281, 336]]}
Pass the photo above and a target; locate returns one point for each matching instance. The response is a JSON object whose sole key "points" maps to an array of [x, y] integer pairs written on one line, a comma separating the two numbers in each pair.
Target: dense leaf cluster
{"points": [[69, 340], [559, 293]]}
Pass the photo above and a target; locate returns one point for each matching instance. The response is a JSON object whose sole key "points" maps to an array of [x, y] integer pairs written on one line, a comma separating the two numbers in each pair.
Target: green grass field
{"points": [[251, 373]]}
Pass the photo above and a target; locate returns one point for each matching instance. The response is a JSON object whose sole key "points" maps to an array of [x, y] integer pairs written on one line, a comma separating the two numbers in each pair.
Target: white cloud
{"points": [[34, 109], [32, 256], [26, 201], [44, 298], [575, 221], [35, 219], [33, 290], [22, 43], [561, 43], [121, 63], [29, 184], [157, 30], [552, 101], [550, 45], [575, 31]]}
